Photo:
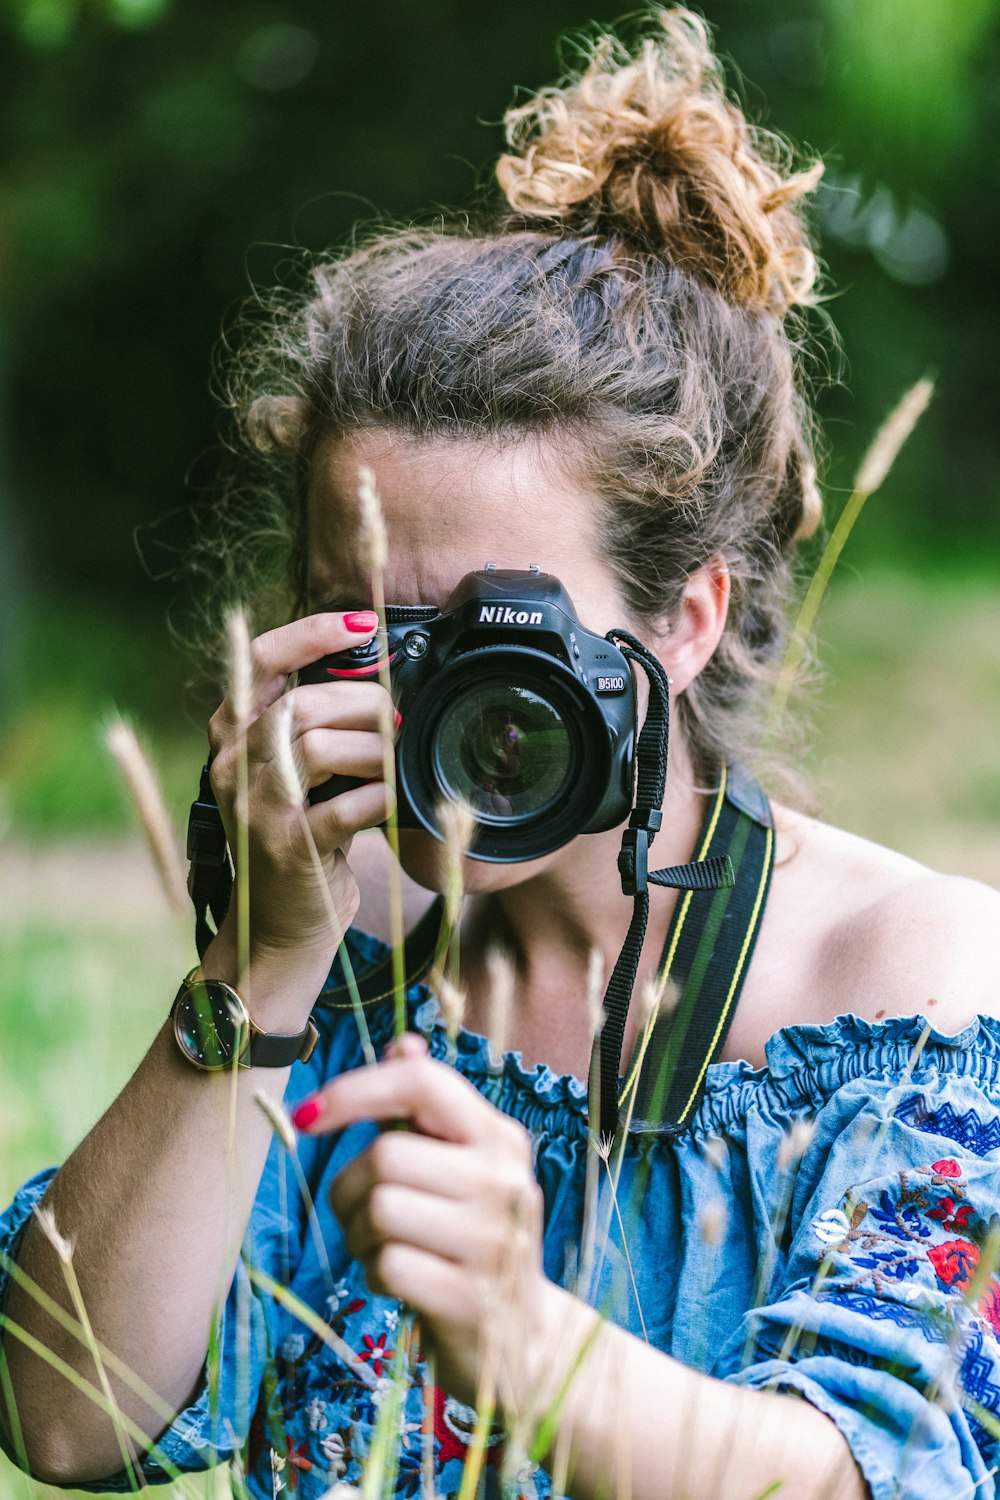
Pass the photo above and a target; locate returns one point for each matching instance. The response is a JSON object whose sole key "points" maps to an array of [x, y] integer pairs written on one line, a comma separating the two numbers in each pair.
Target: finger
{"points": [[294, 717], [278, 653], [408, 1044], [436, 1099], [483, 1235], [415, 1161], [438, 1288], [338, 705], [334, 822], [438, 1225], [320, 753]]}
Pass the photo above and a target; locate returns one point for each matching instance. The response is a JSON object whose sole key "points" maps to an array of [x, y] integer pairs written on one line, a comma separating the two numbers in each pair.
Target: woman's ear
{"points": [[688, 640]]}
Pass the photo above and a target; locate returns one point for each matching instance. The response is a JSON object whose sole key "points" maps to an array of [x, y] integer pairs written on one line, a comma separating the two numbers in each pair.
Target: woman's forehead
{"points": [[450, 506]]}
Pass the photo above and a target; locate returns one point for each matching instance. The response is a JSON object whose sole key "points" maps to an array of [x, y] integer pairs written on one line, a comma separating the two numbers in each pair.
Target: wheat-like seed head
{"points": [[147, 798], [47, 1224], [500, 988], [717, 1152], [374, 543], [795, 1143], [596, 1014], [452, 1001], [281, 1121], [240, 669], [457, 823], [712, 1220], [603, 1145], [884, 447]]}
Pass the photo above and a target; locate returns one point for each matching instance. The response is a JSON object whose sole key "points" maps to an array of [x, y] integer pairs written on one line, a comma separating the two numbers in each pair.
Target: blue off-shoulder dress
{"points": [[823, 1227]]}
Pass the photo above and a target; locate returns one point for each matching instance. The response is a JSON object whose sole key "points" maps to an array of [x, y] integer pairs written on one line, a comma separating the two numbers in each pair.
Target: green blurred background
{"points": [[158, 158]]}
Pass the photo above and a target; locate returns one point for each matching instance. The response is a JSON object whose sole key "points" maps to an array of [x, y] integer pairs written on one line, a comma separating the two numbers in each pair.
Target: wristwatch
{"points": [[214, 1030]]}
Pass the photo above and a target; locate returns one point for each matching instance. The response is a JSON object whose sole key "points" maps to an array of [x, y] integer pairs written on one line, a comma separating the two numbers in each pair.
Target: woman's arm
{"points": [[156, 1199], [447, 1217], [638, 1422]]}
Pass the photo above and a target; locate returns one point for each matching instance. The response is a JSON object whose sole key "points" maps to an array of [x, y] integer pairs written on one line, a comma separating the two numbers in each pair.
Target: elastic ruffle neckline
{"points": [[806, 1063]]}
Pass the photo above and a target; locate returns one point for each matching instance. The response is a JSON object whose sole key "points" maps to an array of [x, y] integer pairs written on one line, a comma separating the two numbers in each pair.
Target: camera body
{"points": [[508, 704]]}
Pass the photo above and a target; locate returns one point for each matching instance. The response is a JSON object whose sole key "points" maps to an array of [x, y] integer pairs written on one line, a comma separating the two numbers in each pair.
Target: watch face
{"points": [[209, 1026]]}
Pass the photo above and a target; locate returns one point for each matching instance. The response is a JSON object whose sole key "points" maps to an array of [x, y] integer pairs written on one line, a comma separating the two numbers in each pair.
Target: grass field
{"points": [[906, 753]]}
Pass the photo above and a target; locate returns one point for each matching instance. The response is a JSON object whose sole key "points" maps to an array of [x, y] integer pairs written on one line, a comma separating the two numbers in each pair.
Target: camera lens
{"points": [[504, 750]]}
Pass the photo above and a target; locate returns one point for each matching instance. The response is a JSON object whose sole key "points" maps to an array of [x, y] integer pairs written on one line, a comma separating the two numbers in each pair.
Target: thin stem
{"points": [[628, 1257], [91, 1391], [76, 1295], [394, 874]]}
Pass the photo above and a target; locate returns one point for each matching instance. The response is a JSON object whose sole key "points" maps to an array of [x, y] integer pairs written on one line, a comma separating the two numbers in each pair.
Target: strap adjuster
{"points": [[206, 837], [633, 861]]}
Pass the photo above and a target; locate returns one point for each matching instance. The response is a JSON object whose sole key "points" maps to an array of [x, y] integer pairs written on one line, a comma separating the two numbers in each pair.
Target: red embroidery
{"points": [[950, 1216], [376, 1352], [989, 1307], [954, 1262], [948, 1167], [297, 1460]]}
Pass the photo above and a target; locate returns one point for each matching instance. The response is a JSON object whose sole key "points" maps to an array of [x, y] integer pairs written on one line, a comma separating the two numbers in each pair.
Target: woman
{"points": [[603, 382]]}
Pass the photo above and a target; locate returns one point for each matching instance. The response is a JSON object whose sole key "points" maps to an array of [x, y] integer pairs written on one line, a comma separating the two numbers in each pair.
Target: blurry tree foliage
{"points": [[160, 156]]}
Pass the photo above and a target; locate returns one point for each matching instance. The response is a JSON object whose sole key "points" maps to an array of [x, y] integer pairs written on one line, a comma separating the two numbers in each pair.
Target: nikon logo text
{"points": [[502, 614]]}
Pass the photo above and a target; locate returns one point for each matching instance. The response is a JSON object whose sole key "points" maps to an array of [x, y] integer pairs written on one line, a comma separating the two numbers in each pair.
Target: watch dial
{"points": [[209, 1028]]}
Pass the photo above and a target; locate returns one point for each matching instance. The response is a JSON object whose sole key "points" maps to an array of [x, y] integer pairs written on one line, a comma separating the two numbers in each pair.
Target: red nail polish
{"points": [[361, 621], [399, 719], [304, 1114]]}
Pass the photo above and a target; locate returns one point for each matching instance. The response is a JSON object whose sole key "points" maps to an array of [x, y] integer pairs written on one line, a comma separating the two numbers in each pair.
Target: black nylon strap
{"points": [[707, 954], [210, 875], [647, 816]]}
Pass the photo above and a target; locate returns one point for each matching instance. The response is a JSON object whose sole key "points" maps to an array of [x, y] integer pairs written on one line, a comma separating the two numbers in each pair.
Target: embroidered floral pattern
{"points": [[893, 1241]]}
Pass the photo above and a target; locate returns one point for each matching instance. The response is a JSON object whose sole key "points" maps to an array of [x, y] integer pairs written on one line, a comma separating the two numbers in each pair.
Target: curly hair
{"points": [[634, 300]]}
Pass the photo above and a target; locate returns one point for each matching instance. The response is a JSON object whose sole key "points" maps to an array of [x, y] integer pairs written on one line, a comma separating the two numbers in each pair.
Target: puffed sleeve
{"points": [[216, 1423], [881, 1305]]}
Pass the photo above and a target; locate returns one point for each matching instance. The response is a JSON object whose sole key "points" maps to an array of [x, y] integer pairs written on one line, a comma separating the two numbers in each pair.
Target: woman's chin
{"points": [[422, 858]]}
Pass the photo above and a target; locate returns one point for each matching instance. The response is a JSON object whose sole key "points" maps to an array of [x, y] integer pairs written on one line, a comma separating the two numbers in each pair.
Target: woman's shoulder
{"points": [[889, 936]]}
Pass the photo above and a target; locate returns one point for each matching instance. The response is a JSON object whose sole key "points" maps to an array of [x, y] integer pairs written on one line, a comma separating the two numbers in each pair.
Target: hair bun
{"points": [[649, 146]]}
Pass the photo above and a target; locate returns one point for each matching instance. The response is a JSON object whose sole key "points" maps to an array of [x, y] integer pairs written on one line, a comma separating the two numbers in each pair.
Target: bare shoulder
{"points": [[893, 937]]}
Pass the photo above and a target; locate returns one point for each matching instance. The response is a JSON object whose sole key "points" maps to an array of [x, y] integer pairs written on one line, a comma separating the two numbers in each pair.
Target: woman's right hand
{"points": [[335, 728]]}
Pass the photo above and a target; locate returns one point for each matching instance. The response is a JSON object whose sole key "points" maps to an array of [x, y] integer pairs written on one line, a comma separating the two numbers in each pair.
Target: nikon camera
{"points": [[509, 705]]}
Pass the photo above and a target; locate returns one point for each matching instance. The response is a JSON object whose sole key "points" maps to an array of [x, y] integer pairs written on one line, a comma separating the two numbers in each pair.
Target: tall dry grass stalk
{"points": [[45, 1219], [501, 983], [374, 553], [144, 790], [293, 785], [874, 469], [457, 823], [240, 662]]}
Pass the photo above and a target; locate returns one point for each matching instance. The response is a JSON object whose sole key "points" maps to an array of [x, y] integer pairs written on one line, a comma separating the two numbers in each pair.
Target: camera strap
{"points": [[683, 1043], [210, 872]]}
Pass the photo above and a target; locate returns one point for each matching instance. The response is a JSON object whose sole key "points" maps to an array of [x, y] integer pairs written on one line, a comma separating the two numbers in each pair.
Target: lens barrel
{"points": [[512, 733]]}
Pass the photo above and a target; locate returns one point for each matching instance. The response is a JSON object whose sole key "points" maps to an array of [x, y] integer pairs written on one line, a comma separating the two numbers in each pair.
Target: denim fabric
{"points": [[837, 1264]]}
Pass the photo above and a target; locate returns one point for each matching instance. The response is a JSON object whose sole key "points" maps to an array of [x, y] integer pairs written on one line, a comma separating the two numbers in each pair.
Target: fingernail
{"points": [[399, 719], [361, 621], [304, 1114]]}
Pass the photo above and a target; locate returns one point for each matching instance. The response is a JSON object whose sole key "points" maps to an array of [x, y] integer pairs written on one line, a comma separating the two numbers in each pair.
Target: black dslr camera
{"points": [[509, 705]]}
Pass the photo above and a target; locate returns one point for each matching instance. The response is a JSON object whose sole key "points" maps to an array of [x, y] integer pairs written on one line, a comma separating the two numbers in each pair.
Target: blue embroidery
{"points": [[977, 1135], [886, 1216], [933, 1323]]}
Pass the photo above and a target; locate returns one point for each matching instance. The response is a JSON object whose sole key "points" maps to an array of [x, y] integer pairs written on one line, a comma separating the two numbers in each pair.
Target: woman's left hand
{"points": [[445, 1216]]}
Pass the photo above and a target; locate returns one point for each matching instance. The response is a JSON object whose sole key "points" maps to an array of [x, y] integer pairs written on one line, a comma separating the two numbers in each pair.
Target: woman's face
{"points": [[450, 507]]}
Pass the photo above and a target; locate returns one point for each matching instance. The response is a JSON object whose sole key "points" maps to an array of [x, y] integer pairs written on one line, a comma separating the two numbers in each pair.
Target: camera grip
{"points": [[333, 786]]}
